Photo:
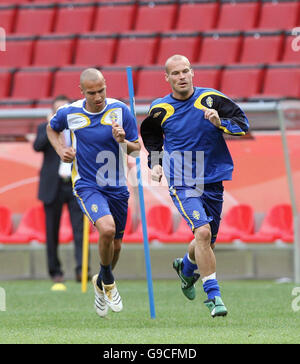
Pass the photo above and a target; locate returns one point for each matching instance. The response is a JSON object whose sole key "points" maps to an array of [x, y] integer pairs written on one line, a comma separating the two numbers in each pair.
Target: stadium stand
{"points": [[220, 48], [47, 48], [16, 2], [278, 224], [116, 81], [95, 49], [239, 220], [160, 220], [280, 81], [289, 53], [123, 15], [18, 51], [238, 15], [35, 19], [207, 76], [136, 49], [31, 227], [159, 224], [155, 16], [182, 234], [65, 227], [150, 84], [74, 18], [278, 15], [262, 47], [5, 82], [186, 43], [7, 16], [241, 81], [66, 82], [197, 15], [25, 88], [6, 224]]}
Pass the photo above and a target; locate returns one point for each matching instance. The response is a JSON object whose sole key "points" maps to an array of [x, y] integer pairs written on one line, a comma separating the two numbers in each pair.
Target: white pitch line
{"points": [[18, 184]]}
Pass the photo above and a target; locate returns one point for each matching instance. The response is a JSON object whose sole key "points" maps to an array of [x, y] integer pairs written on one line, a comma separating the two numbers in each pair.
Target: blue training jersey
{"points": [[191, 149], [99, 158]]}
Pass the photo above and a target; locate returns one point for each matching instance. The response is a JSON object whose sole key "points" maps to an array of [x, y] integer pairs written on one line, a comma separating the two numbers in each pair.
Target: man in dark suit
{"points": [[55, 189]]}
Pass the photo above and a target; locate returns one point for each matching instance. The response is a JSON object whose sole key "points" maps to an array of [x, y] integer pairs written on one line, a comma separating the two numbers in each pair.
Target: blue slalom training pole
{"points": [[142, 203]]}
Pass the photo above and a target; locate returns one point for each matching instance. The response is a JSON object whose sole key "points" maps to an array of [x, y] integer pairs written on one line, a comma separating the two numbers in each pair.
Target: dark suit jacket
{"points": [[49, 178]]}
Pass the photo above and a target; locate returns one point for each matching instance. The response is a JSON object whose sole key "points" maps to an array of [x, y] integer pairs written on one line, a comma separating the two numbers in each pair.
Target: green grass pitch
{"points": [[259, 312]]}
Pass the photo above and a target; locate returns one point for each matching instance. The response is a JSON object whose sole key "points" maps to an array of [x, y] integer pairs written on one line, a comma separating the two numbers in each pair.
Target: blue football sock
{"points": [[188, 267], [106, 275], [99, 281], [211, 288]]}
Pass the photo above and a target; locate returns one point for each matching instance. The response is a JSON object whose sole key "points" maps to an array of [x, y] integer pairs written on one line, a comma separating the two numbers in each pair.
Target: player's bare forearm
{"points": [[156, 173], [213, 116], [119, 135], [54, 138], [66, 154], [132, 147]]}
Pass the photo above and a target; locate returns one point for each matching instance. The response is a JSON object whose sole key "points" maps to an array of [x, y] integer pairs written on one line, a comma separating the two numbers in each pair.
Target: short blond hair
{"points": [[90, 74], [176, 57]]}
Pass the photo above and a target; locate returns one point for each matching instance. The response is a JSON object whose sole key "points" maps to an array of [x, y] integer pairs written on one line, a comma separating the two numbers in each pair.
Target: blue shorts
{"points": [[95, 204], [200, 208]]}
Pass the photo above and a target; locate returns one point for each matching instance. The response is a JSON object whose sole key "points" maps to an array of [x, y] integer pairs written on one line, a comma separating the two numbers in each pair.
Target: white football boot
{"points": [[112, 297], [100, 303]]}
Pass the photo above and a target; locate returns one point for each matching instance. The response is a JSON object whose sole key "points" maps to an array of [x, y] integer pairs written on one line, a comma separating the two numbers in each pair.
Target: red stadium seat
{"points": [[178, 43], [159, 223], [155, 17], [53, 51], [262, 47], [197, 16], [95, 49], [207, 76], [18, 51], [6, 225], [220, 48], [160, 220], [136, 49], [5, 82], [31, 227], [151, 84], [32, 83], [241, 82], [66, 82], [16, 2], [281, 81], [279, 15], [116, 81], [239, 220], [183, 234], [7, 17], [13, 125], [65, 227], [291, 53], [278, 224], [122, 15], [74, 18], [70, 2], [238, 15], [35, 19]]}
